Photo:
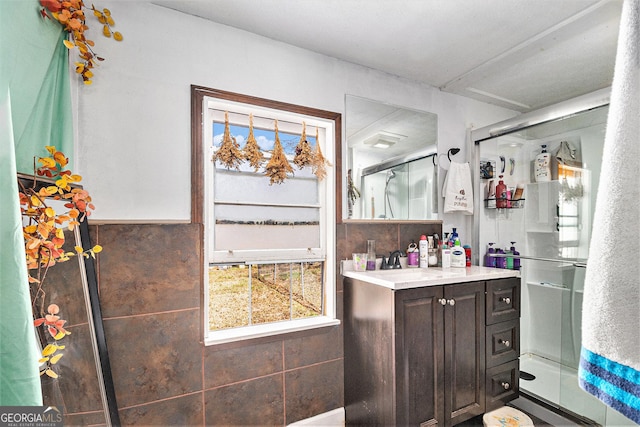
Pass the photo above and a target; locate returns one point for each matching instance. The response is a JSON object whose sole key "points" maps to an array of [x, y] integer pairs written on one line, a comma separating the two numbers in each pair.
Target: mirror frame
{"points": [[92, 304]]}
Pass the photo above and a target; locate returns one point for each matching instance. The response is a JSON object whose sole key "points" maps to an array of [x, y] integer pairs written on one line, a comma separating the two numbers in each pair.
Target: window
{"points": [[269, 248]]}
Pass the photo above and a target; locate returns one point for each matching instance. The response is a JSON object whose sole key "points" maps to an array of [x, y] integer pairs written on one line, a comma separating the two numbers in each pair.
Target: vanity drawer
{"points": [[503, 342], [503, 300], [502, 384]]}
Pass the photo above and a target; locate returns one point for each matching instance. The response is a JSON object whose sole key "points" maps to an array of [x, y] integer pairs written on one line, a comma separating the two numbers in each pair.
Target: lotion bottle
{"points": [[424, 251], [458, 256]]}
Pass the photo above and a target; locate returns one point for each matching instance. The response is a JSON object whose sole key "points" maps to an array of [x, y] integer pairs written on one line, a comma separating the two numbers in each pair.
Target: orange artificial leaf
{"points": [[50, 212], [110, 21], [68, 44], [52, 331], [117, 36], [59, 336], [106, 31], [50, 373], [30, 229], [44, 359], [97, 249], [53, 309], [60, 158], [79, 249], [106, 11], [50, 148], [49, 350], [55, 359], [35, 201], [38, 322]]}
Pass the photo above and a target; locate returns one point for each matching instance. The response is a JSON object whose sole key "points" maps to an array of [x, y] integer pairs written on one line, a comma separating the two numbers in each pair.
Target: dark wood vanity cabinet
{"points": [[418, 356]]}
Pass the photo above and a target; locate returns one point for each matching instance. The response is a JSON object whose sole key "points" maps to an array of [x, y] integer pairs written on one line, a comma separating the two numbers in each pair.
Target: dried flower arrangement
{"points": [[304, 154], [278, 165], [70, 14], [319, 164], [251, 151], [229, 153]]}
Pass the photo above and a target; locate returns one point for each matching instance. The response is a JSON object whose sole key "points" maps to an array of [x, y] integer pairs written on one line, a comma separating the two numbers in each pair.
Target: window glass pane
{"points": [[234, 237], [228, 296], [263, 293], [307, 289]]}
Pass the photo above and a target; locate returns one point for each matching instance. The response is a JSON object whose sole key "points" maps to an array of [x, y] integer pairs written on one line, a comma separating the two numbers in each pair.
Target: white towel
{"points": [[610, 356], [457, 189]]}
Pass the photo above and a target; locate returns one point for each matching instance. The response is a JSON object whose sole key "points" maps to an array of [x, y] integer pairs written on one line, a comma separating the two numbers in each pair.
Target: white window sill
{"points": [[268, 329]]}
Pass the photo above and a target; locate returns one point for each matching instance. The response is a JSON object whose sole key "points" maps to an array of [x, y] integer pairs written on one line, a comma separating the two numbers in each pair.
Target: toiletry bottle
{"points": [[491, 195], [433, 251], [509, 260], [453, 237], [371, 254], [501, 262], [501, 194], [467, 254], [412, 255], [458, 257], [490, 261], [424, 252], [446, 255], [516, 261], [542, 166]]}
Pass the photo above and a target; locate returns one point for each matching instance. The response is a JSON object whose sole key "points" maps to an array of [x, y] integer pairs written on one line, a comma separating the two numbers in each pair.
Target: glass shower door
{"points": [[552, 234]]}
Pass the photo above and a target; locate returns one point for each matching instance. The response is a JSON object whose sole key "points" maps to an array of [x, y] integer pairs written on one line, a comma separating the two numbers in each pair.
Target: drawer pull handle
{"points": [[442, 301], [505, 300], [452, 301], [505, 342], [506, 385]]}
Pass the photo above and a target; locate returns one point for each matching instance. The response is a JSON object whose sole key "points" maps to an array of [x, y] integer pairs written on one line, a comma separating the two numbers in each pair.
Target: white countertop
{"points": [[407, 278]]}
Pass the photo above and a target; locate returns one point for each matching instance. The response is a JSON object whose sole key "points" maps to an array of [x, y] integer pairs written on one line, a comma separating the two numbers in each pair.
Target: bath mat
{"points": [[506, 417]]}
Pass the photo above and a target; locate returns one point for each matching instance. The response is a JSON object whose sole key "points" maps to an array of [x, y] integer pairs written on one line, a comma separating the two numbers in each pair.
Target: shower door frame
{"points": [[549, 114]]}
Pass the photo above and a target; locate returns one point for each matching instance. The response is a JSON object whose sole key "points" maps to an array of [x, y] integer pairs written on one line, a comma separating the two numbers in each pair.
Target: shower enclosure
{"points": [[401, 188], [551, 230]]}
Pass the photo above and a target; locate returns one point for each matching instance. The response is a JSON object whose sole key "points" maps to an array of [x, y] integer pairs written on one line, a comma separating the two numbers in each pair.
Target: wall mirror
{"points": [[84, 390], [391, 158]]}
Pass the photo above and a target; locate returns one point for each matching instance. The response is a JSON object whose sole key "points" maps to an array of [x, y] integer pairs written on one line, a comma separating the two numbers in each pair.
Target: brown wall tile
{"points": [[314, 390], [149, 268], [155, 356], [232, 365], [181, 411], [256, 402], [312, 349]]}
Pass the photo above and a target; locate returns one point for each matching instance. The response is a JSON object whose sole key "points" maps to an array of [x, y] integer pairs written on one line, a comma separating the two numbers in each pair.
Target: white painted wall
{"points": [[134, 121]]}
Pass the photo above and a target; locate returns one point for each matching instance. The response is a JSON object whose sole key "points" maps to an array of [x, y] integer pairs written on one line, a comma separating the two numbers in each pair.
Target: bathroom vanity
{"points": [[429, 346]]}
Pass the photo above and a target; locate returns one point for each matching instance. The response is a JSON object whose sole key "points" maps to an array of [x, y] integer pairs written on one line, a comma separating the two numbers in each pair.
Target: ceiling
{"points": [[518, 54]]}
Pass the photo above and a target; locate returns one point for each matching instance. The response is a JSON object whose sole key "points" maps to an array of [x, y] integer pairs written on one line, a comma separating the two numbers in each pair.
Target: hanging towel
{"points": [[457, 189], [610, 355]]}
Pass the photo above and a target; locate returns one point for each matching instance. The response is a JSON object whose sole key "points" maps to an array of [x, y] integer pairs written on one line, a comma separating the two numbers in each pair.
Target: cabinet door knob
{"points": [[452, 301], [506, 385], [442, 301], [505, 300], [505, 342]]}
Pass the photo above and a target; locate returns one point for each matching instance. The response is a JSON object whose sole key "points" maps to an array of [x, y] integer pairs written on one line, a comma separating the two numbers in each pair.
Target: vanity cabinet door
{"points": [[419, 356], [464, 366]]}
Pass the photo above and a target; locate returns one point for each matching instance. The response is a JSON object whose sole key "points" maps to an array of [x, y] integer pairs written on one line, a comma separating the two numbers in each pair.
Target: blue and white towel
{"points": [[610, 356]]}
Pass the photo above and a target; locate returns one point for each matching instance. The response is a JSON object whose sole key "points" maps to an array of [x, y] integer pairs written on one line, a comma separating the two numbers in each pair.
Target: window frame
{"points": [[329, 201]]}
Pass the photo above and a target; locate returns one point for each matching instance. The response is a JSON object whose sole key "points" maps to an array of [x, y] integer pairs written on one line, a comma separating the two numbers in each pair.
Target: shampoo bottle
{"points": [[490, 261], [501, 194], [458, 257], [516, 261], [542, 166]]}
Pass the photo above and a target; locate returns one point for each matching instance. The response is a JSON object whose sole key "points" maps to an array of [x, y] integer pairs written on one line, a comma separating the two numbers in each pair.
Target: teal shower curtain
{"points": [[35, 111]]}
